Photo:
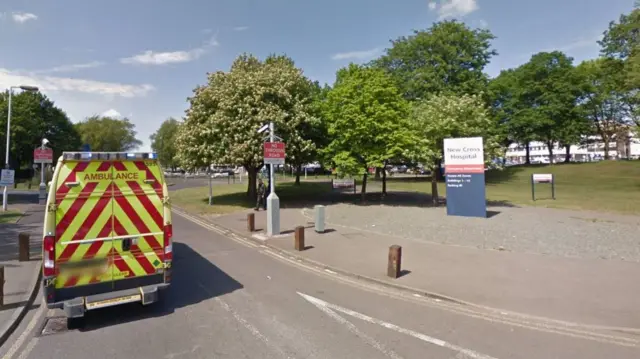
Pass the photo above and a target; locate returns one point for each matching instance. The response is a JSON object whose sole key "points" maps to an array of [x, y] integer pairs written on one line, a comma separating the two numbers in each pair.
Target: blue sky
{"points": [[142, 58]]}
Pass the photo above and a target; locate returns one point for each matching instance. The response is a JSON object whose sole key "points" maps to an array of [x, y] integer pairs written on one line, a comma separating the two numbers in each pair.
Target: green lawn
{"points": [[232, 197], [609, 186], [10, 216]]}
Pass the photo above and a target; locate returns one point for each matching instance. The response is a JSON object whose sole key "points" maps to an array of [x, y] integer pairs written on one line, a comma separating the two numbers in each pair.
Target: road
{"points": [[234, 300]]}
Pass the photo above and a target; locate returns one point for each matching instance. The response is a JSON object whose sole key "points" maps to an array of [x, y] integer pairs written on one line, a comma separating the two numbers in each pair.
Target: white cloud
{"points": [[483, 24], [454, 8], [22, 17], [65, 84], [241, 28], [71, 68], [357, 55], [150, 57], [111, 113]]}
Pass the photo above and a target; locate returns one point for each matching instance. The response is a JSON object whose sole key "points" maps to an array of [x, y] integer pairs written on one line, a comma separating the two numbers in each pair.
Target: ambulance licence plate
{"points": [[114, 301]]}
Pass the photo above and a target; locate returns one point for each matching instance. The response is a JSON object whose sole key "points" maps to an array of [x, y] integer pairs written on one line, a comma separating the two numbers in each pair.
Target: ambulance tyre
{"points": [[75, 323]]}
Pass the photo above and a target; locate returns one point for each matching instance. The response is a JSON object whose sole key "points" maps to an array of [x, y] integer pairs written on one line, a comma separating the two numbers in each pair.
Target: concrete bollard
{"points": [[319, 218], [1, 286], [299, 238], [251, 222], [23, 243], [395, 260]]}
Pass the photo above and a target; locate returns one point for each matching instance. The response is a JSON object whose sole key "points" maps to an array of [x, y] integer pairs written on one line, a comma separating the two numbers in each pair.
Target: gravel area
{"points": [[544, 231]]}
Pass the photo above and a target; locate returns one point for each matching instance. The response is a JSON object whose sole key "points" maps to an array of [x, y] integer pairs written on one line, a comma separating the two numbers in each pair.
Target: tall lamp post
{"points": [[6, 160]]}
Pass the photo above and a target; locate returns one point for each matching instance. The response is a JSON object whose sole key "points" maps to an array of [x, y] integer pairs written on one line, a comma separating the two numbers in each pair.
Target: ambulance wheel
{"points": [[75, 323]]}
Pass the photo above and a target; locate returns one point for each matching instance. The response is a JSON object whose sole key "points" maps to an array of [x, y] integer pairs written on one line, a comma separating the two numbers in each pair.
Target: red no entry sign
{"points": [[43, 155], [274, 153]]}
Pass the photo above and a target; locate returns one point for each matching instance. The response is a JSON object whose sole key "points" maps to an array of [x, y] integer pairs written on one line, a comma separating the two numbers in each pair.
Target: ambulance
{"points": [[107, 237]]}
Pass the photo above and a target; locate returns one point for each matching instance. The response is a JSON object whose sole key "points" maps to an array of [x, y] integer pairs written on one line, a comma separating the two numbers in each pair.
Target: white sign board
{"points": [[7, 177], [542, 178], [464, 155]]}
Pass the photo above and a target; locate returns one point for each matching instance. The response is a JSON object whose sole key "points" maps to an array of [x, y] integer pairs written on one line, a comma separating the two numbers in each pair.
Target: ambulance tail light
{"points": [[168, 242], [49, 255]]}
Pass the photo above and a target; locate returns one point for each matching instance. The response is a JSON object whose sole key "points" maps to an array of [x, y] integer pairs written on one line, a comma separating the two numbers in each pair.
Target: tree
{"points": [[222, 122], [448, 57], [503, 93], [34, 117], [163, 143], [367, 121], [449, 116], [106, 134], [604, 99], [548, 95], [621, 42]]}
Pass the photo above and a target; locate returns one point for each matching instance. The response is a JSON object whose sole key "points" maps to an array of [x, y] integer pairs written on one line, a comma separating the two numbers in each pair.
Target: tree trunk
{"points": [[434, 187], [527, 157], [567, 154], [438, 172], [550, 148], [298, 172], [377, 173], [364, 187], [384, 181], [252, 173], [606, 149]]}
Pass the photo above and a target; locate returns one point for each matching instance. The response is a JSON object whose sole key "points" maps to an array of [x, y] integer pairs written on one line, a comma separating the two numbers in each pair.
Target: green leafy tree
{"points": [[222, 122], [106, 134], [549, 94], [621, 41], [604, 102], [449, 57], [449, 116], [34, 117], [163, 142], [367, 121]]}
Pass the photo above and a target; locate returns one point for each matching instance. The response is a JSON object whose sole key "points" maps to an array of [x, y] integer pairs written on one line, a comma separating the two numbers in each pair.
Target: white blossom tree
{"points": [[221, 124]]}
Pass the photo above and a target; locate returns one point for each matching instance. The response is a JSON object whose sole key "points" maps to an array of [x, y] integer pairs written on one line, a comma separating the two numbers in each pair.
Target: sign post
{"points": [[274, 154], [543, 178], [42, 155], [464, 170]]}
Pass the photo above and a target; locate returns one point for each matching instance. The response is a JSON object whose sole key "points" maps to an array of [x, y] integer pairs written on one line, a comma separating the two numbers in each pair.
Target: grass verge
{"points": [[607, 186], [231, 198], [10, 216]]}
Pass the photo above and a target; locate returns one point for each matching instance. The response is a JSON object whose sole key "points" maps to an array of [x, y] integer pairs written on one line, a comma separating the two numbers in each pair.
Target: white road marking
{"points": [[353, 329], [25, 334], [256, 333], [328, 307]]}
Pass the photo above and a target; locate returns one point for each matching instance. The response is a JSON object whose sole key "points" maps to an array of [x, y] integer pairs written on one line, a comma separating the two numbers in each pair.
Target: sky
{"points": [[141, 59]]}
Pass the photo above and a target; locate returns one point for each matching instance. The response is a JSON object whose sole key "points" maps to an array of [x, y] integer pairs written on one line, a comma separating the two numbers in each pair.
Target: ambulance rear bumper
{"points": [[75, 301]]}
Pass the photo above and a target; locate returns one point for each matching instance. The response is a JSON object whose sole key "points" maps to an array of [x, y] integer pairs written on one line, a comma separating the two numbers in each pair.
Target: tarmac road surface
{"points": [[232, 300]]}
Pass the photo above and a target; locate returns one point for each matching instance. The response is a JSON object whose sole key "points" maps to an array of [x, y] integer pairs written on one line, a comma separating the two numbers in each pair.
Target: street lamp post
{"points": [[6, 158]]}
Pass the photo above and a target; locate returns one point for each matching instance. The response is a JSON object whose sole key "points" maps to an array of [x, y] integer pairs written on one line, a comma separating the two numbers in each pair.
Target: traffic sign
{"points": [[7, 177], [43, 155], [274, 153]]}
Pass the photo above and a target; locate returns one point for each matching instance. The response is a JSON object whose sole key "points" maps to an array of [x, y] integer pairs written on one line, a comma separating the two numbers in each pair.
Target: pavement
{"points": [[21, 278], [232, 298], [578, 291]]}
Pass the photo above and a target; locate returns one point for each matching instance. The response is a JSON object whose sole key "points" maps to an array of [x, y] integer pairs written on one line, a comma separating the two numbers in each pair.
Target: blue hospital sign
{"points": [[464, 171]]}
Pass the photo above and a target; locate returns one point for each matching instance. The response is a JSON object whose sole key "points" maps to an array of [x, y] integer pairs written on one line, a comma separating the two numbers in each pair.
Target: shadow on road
{"points": [[195, 280]]}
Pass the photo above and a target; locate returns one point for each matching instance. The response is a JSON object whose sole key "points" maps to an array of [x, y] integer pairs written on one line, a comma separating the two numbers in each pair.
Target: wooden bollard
{"points": [[299, 238], [395, 260], [23, 243], [251, 222], [1, 286]]}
